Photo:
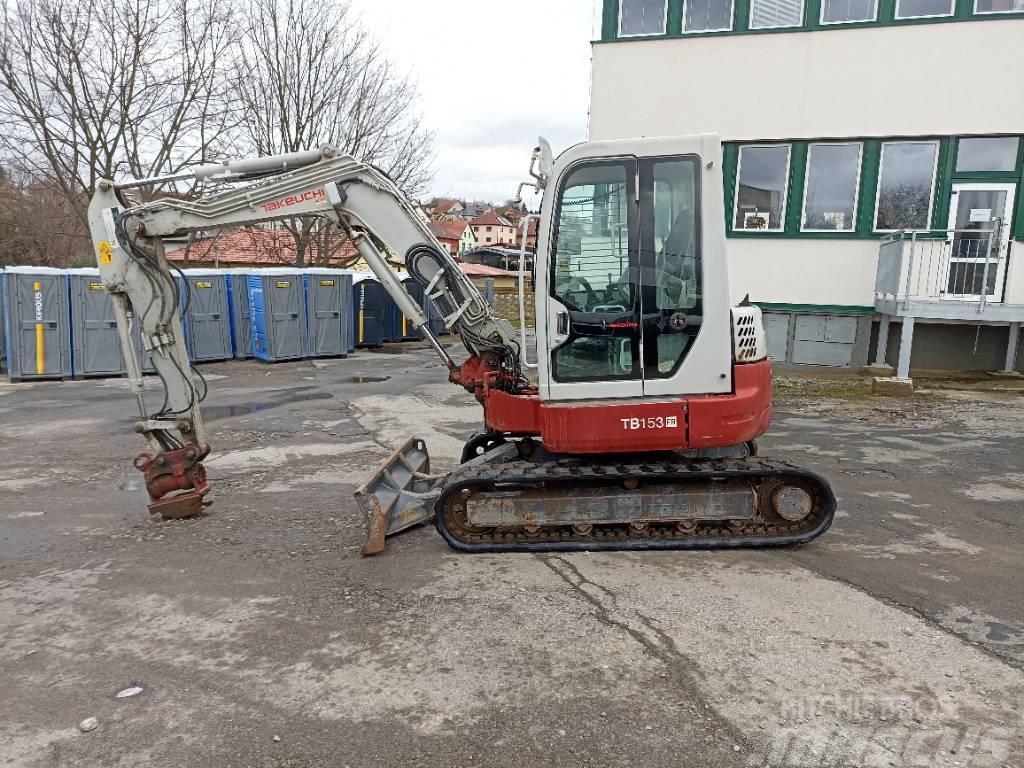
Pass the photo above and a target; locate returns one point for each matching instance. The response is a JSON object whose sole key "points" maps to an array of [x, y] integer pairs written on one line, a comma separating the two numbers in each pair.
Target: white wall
{"points": [[941, 79], [803, 271]]}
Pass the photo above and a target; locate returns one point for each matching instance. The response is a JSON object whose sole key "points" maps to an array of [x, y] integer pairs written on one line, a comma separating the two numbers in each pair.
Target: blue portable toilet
{"points": [[37, 335], [435, 318], [392, 317], [371, 316], [405, 330], [204, 315], [277, 313], [237, 285], [328, 293]]}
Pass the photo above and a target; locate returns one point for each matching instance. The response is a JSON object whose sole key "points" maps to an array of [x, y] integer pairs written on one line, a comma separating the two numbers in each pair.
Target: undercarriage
{"points": [[515, 497]]}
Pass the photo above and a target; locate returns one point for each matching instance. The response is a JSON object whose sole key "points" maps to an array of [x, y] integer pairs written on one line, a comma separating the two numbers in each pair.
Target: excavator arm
{"points": [[363, 201]]}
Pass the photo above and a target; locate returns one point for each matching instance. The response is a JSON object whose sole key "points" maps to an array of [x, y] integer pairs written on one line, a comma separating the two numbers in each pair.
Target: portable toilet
{"points": [[37, 335], [370, 313], [204, 313], [327, 293], [406, 331], [435, 318], [95, 343], [349, 311], [277, 312], [237, 284]]}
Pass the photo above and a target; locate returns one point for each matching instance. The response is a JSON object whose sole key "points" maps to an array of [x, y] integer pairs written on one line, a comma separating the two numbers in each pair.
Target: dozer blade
{"points": [[402, 492], [399, 495]]}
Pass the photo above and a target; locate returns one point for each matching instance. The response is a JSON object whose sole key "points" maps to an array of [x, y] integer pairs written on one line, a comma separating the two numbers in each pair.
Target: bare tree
{"points": [[309, 75], [91, 89], [55, 239]]}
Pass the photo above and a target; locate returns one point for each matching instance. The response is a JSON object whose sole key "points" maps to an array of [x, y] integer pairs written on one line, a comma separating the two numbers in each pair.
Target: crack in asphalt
{"points": [[662, 647]]}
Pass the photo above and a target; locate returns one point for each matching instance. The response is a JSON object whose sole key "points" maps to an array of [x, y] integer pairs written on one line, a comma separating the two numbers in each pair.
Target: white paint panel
{"points": [[803, 270], [1015, 274], [814, 93]]}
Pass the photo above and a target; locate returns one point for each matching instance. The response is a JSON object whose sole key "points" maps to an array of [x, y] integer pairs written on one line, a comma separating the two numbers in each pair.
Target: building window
{"points": [[998, 6], [707, 15], [769, 14], [845, 11], [905, 185], [991, 153], [761, 187], [488, 229], [916, 9], [831, 186], [641, 17]]}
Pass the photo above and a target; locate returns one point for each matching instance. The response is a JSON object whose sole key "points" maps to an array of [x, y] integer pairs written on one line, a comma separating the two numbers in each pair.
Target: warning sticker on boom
{"points": [[103, 248]]}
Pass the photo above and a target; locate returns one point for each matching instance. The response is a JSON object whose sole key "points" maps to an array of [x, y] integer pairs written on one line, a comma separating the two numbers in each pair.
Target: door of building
{"points": [[979, 239]]}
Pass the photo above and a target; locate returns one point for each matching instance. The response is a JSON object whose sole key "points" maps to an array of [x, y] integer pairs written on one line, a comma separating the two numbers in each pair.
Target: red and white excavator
{"points": [[637, 431]]}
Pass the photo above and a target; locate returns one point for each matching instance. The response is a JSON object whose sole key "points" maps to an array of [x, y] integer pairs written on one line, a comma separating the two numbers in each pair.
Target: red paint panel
{"points": [[628, 426], [518, 414], [720, 420], [623, 427]]}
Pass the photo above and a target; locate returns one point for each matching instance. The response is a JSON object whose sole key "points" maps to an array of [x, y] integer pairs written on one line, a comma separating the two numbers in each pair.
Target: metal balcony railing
{"points": [[965, 265]]}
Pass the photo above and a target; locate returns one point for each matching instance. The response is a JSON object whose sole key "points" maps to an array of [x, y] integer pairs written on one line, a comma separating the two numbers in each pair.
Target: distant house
{"points": [[441, 207], [456, 236], [476, 209], [491, 229], [531, 235]]}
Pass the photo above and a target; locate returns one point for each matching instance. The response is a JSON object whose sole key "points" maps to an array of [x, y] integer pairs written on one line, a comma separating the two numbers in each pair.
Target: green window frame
{"points": [[945, 176], [885, 15]]}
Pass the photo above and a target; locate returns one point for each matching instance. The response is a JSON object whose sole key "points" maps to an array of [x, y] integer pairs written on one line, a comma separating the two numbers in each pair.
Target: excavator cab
{"points": [[632, 293]]}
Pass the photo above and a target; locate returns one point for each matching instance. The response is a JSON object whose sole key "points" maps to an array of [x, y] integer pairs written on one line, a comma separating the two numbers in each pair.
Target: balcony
{"points": [[947, 275], [954, 275]]}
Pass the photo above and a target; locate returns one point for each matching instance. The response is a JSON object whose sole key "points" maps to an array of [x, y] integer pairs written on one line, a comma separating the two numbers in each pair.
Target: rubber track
{"points": [[708, 534]]}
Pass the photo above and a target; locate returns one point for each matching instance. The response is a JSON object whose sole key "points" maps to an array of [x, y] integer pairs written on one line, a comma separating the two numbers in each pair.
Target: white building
{"points": [[845, 121]]}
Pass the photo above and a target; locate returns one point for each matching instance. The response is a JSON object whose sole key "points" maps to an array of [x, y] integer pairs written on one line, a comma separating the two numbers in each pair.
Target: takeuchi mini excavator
{"points": [[637, 431]]}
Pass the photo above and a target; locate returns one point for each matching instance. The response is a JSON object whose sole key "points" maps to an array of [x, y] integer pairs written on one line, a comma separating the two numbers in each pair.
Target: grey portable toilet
{"points": [[327, 294], [348, 306], [237, 283], [95, 344], [37, 335], [205, 315], [277, 314]]}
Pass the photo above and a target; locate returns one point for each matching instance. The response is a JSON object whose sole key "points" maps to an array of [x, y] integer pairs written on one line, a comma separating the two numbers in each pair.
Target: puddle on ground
{"points": [[367, 379], [215, 412]]}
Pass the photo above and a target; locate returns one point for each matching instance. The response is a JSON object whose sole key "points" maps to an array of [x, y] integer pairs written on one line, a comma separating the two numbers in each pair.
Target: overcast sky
{"points": [[492, 77]]}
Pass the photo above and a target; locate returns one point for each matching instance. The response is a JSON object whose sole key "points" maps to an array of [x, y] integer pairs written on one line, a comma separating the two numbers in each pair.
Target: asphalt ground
{"points": [[260, 637]]}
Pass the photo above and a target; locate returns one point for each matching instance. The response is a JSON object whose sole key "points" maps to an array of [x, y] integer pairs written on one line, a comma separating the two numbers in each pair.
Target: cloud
{"points": [[492, 78]]}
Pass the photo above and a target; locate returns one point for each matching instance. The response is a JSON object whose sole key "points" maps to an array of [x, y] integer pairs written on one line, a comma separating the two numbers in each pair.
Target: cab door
{"points": [[593, 298]]}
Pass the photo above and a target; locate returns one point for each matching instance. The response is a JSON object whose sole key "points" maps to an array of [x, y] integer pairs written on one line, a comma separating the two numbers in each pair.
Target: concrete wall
{"points": [[881, 81], [950, 347]]}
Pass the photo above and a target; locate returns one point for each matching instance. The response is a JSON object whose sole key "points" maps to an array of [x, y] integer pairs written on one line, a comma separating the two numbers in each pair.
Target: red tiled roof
{"points": [[271, 247], [490, 219], [448, 230], [481, 270]]}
